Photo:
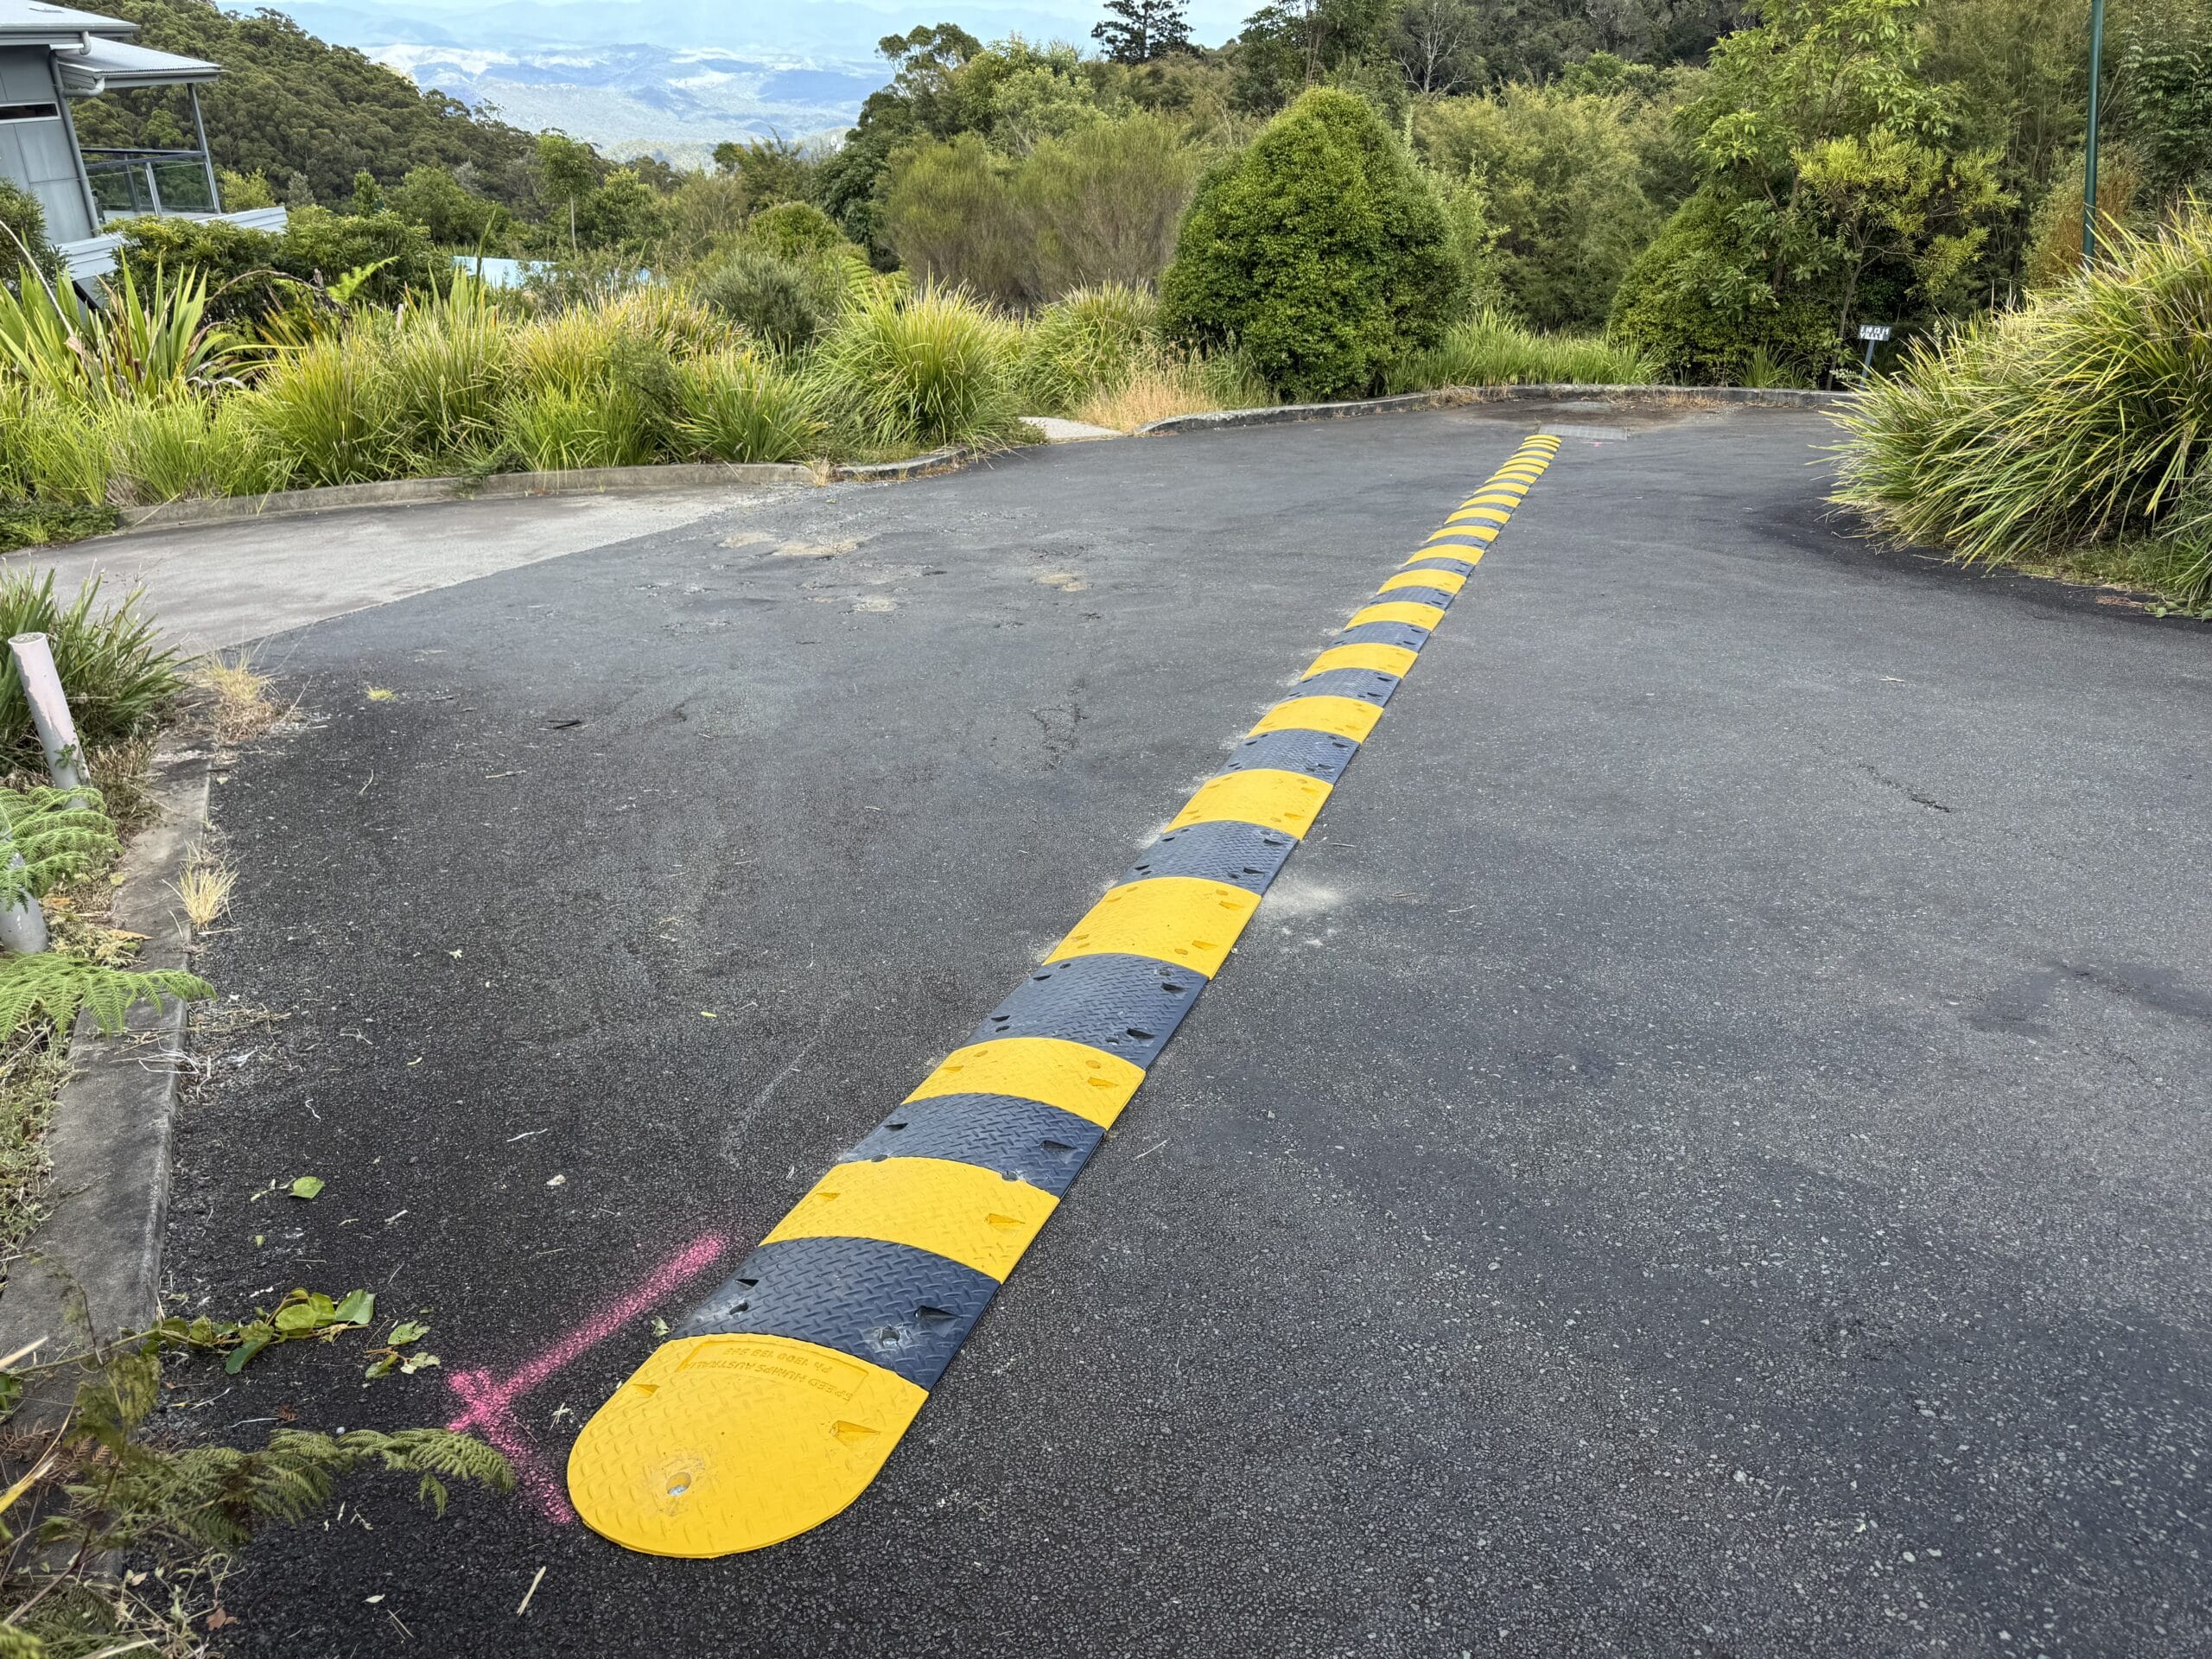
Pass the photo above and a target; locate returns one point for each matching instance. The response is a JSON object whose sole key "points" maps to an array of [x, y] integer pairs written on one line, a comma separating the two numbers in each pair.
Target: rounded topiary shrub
{"points": [[792, 230], [1319, 251]]}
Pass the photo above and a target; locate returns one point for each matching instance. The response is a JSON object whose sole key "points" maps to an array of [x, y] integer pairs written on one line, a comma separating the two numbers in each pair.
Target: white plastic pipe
{"points": [[57, 732], [23, 924]]}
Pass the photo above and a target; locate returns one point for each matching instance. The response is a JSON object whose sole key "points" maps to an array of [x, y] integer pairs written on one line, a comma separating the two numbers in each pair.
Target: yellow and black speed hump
{"points": [[774, 1404]]}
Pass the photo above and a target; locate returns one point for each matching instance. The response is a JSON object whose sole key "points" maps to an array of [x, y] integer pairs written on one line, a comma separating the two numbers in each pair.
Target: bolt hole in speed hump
{"points": [[775, 1402]]}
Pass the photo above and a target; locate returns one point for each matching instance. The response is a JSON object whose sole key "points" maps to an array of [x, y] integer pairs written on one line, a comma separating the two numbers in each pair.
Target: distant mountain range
{"points": [[674, 78]]}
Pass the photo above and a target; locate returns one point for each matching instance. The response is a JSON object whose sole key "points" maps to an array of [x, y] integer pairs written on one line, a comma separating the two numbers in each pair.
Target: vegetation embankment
{"points": [[1704, 195], [2074, 434]]}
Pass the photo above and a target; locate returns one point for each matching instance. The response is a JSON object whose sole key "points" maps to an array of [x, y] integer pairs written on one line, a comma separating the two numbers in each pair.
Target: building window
{"points": [[27, 112]]}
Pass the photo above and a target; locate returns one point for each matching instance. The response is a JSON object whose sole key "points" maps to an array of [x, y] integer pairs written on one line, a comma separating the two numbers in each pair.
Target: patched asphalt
{"points": [[1704, 1151]]}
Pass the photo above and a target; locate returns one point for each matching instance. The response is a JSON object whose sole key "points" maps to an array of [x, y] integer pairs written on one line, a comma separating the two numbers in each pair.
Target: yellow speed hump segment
{"points": [[775, 1402]]}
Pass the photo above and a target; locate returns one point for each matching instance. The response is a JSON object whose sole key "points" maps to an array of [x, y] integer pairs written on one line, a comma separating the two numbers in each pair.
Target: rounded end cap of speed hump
{"points": [[730, 1443]]}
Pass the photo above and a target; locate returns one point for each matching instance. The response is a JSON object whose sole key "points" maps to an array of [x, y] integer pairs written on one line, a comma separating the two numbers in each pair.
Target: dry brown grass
{"points": [[237, 697], [204, 890], [1153, 394]]}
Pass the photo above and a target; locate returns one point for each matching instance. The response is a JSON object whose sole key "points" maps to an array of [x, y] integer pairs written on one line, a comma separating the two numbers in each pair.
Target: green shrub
{"points": [[1491, 350], [252, 273], [57, 453], [442, 375], [117, 678], [1560, 174], [23, 230], [185, 447], [792, 230], [2085, 418], [314, 411], [1697, 302], [453, 215], [1090, 341], [1099, 205], [605, 422], [777, 300], [935, 369], [738, 407], [1318, 251]]}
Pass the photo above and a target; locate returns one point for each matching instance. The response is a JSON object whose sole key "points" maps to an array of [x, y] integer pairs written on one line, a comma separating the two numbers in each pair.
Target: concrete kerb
{"points": [[610, 480], [411, 491], [93, 1268], [1461, 397]]}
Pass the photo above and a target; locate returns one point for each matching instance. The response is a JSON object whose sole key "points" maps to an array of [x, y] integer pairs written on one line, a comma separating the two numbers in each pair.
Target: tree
{"points": [[1290, 44], [1561, 176], [368, 195], [435, 200], [772, 169], [1888, 199], [1433, 42], [565, 173], [1319, 251], [1137, 31]]}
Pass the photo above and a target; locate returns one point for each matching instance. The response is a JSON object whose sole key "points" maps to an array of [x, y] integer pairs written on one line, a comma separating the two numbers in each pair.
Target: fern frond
{"points": [[60, 834], [58, 985]]}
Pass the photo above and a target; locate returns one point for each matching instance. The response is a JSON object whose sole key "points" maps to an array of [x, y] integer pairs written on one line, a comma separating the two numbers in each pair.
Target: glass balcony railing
{"points": [[129, 182]]}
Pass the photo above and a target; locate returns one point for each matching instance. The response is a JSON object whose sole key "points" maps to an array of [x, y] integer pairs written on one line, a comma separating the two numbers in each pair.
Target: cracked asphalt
{"points": [[1704, 1151]]}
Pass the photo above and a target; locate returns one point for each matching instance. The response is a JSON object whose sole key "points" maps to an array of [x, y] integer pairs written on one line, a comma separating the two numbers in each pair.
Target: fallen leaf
{"points": [[306, 1187], [218, 1618], [405, 1332], [358, 1308], [379, 694]]}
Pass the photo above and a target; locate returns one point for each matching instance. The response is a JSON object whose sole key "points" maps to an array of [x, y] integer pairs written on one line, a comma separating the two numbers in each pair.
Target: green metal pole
{"points": [[2090, 162]]}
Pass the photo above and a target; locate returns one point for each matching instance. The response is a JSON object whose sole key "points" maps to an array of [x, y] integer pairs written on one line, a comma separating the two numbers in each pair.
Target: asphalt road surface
{"points": [[1704, 1151]]}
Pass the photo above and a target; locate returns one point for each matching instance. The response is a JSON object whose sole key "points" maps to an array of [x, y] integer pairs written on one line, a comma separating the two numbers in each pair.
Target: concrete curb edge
{"points": [[411, 492], [110, 1138], [1460, 396]]}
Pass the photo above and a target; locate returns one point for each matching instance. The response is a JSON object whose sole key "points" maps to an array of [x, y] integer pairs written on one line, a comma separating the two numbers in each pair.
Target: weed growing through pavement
{"points": [[235, 697], [204, 890]]}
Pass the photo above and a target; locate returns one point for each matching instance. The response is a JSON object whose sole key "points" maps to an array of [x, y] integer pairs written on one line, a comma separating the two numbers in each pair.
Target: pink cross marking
{"points": [[490, 1403]]}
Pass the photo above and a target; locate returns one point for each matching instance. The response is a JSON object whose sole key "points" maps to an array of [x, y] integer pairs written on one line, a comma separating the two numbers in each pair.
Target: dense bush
{"points": [[1100, 205], [781, 303], [1319, 251], [23, 230], [1561, 176], [1697, 304], [452, 215], [2083, 417], [252, 273], [794, 230]]}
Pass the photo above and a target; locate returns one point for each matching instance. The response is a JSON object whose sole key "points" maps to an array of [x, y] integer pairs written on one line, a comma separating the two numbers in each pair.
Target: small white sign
{"points": [[1873, 331]]}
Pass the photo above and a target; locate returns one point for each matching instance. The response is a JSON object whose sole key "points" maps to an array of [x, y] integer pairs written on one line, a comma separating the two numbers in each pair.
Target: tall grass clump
{"points": [[737, 406], [1488, 349], [935, 368], [2085, 418], [314, 412], [56, 454], [1089, 341], [119, 677], [1166, 382], [444, 373]]}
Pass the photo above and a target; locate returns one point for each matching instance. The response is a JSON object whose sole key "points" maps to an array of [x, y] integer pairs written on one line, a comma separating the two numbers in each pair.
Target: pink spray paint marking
{"points": [[490, 1402]]}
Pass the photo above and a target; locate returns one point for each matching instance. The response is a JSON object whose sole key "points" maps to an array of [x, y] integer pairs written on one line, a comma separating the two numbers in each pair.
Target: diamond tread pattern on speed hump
{"points": [[772, 1407]]}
